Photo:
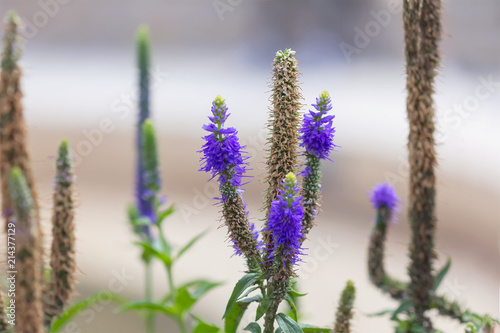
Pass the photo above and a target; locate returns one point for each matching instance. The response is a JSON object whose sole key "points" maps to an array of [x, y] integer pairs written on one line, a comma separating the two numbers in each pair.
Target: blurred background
{"points": [[80, 81]]}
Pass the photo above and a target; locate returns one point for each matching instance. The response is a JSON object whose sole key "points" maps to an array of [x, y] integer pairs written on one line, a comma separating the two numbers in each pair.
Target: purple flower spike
{"points": [[317, 130], [285, 222], [384, 195], [222, 152]]}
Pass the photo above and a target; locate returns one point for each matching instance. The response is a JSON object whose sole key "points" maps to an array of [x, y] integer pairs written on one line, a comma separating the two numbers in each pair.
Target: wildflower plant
{"points": [[422, 32], [40, 298], [147, 218], [290, 206]]}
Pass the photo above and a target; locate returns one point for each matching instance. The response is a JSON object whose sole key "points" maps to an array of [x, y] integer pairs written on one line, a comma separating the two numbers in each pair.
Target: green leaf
{"points": [[197, 289], [248, 292], [312, 329], [202, 327], [253, 327], [76, 308], [162, 215], [141, 221], [150, 251], [203, 287], [293, 307], [184, 301], [256, 298], [295, 293], [381, 313], [263, 306], [148, 306], [441, 274], [191, 243], [234, 316], [287, 324], [403, 307], [243, 284]]}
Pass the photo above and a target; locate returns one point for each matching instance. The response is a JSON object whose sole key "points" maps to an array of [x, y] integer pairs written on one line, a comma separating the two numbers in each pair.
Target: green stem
{"points": [[180, 318], [182, 325], [171, 281], [150, 326], [271, 316]]}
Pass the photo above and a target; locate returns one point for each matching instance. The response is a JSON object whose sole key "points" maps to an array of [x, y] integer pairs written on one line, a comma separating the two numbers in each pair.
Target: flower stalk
{"points": [[223, 158], [29, 282], [62, 260], [283, 126], [316, 138], [345, 309], [422, 34], [285, 223]]}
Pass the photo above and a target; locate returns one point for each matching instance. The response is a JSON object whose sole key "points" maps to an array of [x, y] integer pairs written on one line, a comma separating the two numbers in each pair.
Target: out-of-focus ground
{"points": [[79, 84]]}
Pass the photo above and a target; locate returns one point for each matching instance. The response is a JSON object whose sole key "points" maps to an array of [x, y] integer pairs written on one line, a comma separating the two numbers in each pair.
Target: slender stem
{"points": [[271, 316], [150, 326], [171, 281], [173, 291], [182, 325]]}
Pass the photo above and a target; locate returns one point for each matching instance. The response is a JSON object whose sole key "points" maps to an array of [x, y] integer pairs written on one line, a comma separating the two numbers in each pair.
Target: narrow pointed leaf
{"points": [[293, 307], [72, 311], [234, 317], [263, 306], [253, 328], [189, 244], [287, 324], [243, 284], [441, 274]]}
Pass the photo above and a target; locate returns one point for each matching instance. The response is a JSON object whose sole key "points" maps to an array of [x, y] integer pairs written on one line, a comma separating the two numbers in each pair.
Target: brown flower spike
{"points": [[284, 123], [29, 279], [422, 34], [62, 260], [13, 150]]}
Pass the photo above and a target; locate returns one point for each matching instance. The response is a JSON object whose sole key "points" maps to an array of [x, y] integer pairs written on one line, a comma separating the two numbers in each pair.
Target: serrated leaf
{"points": [[234, 317], [263, 306], [189, 244], [293, 307], [243, 284], [76, 308], [441, 274], [149, 250], [253, 327], [287, 324]]}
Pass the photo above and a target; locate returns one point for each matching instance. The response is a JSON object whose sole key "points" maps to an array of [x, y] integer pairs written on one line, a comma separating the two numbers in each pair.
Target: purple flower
{"points": [[384, 195], [222, 152], [285, 222], [317, 131]]}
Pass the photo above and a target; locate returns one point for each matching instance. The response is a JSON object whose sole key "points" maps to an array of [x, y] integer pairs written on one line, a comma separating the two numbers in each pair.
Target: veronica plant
{"points": [[290, 206], [147, 218], [39, 298], [422, 32]]}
